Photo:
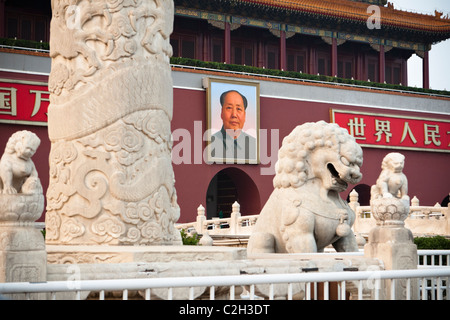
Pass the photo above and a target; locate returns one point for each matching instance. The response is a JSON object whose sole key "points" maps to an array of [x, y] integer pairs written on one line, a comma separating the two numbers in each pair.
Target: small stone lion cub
{"points": [[17, 171], [392, 182]]}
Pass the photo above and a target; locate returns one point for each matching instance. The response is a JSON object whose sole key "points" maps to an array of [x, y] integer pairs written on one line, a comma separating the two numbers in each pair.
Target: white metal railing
{"points": [[433, 257], [433, 284], [426, 258]]}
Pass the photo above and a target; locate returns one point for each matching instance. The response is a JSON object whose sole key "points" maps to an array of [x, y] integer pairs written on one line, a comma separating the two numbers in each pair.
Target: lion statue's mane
{"points": [[292, 167]]}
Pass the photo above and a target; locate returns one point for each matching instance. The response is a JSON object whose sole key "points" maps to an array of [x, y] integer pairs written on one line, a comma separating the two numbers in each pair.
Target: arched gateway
{"points": [[227, 186]]}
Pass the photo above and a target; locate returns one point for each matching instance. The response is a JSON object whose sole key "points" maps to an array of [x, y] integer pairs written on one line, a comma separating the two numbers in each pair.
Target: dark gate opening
{"points": [[226, 187]]}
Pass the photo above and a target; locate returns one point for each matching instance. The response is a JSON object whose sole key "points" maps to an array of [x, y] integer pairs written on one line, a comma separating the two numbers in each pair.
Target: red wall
{"points": [[428, 172], [192, 180]]}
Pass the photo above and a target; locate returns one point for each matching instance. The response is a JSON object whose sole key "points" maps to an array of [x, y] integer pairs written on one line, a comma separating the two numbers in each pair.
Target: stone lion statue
{"points": [[17, 171], [389, 200], [392, 182], [305, 212]]}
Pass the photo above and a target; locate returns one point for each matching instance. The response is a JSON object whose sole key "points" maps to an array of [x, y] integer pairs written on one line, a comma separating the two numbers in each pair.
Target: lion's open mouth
{"points": [[336, 178]]}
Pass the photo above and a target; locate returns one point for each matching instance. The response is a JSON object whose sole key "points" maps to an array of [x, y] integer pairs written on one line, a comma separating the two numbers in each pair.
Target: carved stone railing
{"points": [[235, 225], [422, 220]]}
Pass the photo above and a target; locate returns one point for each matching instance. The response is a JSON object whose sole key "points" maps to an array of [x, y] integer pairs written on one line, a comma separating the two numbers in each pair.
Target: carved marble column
{"points": [[227, 43], [334, 57], [426, 70], [111, 175], [283, 55], [381, 65], [2, 19]]}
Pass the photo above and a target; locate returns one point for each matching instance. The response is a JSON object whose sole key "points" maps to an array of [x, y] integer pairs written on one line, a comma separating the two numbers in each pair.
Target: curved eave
{"points": [[404, 20], [340, 15]]}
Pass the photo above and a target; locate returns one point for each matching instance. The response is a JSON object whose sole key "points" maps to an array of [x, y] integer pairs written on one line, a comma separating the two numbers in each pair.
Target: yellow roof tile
{"points": [[358, 11]]}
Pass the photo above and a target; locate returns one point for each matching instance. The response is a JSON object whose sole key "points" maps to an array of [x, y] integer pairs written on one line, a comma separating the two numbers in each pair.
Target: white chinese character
{"points": [[8, 101], [407, 130], [432, 132], [448, 132], [38, 100], [357, 128], [383, 127]]}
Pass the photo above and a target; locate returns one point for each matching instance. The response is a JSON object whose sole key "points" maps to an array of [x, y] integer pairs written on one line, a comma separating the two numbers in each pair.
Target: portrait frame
{"points": [[246, 149]]}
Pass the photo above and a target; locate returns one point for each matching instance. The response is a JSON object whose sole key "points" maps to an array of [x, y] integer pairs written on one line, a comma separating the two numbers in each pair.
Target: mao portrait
{"points": [[233, 121]]}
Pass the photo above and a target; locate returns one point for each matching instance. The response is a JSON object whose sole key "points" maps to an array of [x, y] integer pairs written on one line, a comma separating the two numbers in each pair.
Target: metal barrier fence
{"points": [[433, 284], [424, 257], [433, 275], [433, 257]]}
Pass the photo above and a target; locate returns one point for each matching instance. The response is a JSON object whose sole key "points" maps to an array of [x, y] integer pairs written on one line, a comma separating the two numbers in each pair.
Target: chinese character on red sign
{"points": [[392, 131], [23, 102]]}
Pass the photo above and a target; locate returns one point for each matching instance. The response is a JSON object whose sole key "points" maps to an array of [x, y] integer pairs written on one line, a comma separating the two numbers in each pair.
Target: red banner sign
{"points": [[23, 102], [395, 132]]}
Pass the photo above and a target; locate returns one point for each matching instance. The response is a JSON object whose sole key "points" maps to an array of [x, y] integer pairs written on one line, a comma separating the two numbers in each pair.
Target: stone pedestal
{"points": [[74, 263], [392, 243], [65, 254], [22, 247], [126, 262], [395, 247]]}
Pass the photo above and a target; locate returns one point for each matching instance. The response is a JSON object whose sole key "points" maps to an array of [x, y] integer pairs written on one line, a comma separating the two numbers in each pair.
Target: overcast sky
{"points": [[439, 54]]}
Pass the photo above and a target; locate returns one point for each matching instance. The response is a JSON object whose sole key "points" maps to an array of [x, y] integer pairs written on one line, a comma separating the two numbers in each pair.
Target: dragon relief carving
{"points": [[115, 155], [103, 176], [69, 35], [86, 34], [305, 213]]}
